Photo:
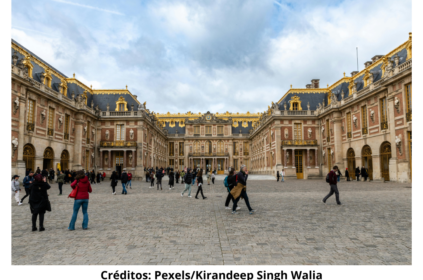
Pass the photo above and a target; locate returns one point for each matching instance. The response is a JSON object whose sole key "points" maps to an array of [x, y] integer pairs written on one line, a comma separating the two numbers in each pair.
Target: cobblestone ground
{"points": [[291, 226]]}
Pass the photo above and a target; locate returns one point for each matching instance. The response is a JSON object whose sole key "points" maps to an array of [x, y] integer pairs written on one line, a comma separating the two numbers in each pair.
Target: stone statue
{"points": [[130, 158], [398, 143], [106, 159], [286, 133], [309, 132], [107, 134], [355, 120], [85, 129], [323, 129], [323, 153], [372, 115], [342, 94], [60, 121], [92, 103], [287, 156], [15, 144], [396, 104], [308, 106], [131, 134], [16, 105], [92, 155], [43, 115]]}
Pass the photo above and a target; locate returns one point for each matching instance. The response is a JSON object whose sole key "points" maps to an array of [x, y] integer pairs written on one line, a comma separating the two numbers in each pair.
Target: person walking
{"points": [[60, 180], [282, 175], [44, 173], [129, 180], [177, 175], [208, 179], [212, 177], [357, 173], [332, 179], [99, 177], [16, 189], [159, 175], [347, 174], [200, 184], [113, 181], [38, 201], [277, 176], [363, 173], [81, 200], [171, 179], [92, 177], [124, 181], [147, 176], [182, 176], [338, 175], [38, 170], [27, 182], [104, 176], [187, 179], [231, 181], [240, 190], [51, 175], [152, 179]]}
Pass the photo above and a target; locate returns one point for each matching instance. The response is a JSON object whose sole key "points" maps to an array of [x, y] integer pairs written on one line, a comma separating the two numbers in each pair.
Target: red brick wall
{"points": [[128, 137], [289, 132]]}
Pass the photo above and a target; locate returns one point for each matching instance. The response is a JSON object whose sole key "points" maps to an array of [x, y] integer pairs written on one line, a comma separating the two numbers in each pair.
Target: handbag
{"points": [[74, 191]]}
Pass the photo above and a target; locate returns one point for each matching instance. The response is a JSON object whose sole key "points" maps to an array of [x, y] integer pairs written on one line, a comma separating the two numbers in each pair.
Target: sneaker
{"points": [[323, 201], [235, 212], [204, 197], [238, 208], [228, 208], [182, 194], [196, 197], [170, 189], [20, 203], [338, 203], [252, 211], [189, 196]]}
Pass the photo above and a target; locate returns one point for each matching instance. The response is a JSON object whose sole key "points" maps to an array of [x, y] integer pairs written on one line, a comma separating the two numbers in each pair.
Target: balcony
{"points": [[66, 136], [349, 134], [119, 114], [208, 134], [246, 153], [88, 141], [299, 143], [328, 139], [208, 155], [50, 132], [408, 115], [364, 130], [384, 125], [220, 134], [196, 134], [236, 154], [30, 127], [118, 144]]}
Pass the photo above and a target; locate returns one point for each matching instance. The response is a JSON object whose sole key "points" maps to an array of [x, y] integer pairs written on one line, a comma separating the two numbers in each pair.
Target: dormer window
{"points": [[295, 106], [121, 104]]}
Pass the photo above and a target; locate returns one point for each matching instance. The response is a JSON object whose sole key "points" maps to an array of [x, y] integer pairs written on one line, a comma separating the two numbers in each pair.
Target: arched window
{"points": [[29, 157]]}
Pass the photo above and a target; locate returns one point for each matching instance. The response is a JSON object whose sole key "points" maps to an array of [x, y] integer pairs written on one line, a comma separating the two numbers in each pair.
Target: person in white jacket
{"points": [[16, 189], [282, 174]]}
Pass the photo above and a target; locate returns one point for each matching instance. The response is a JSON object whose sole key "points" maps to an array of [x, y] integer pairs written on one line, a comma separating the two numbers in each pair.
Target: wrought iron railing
{"points": [[384, 125], [364, 130], [208, 154], [196, 134], [30, 126], [50, 132], [246, 153], [118, 144], [408, 115], [328, 139], [299, 143], [66, 136]]}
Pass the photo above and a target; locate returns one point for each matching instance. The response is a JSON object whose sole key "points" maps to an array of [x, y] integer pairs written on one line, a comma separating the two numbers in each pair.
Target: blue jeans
{"points": [[187, 188], [124, 188], [193, 181], [282, 179], [77, 204], [129, 183]]}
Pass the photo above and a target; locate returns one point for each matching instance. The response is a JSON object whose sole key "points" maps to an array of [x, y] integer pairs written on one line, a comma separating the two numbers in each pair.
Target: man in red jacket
{"points": [[129, 180], [333, 180]]}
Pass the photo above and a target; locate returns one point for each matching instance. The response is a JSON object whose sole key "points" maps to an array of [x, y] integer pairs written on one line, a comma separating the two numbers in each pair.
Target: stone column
{"points": [[133, 158], [316, 159], [124, 158], [279, 162], [393, 166], [101, 159], [20, 164], [110, 159], [284, 157], [338, 141], [293, 158], [308, 158], [77, 155]]}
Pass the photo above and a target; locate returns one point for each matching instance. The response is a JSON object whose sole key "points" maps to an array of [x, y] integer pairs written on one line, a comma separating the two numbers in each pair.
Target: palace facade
{"points": [[361, 120]]}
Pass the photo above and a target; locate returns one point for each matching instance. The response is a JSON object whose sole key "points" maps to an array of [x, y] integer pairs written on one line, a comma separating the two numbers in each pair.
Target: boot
{"points": [[42, 222], [34, 222]]}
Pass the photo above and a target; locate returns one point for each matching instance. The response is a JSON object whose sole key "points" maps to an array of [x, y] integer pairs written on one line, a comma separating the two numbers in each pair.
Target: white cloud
{"points": [[88, 7]]}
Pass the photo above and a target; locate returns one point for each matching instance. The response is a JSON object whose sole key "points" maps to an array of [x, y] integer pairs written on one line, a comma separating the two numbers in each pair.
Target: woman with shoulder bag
{"points": [[38, 201], [81, 199], [114, 179], [200, 184]]}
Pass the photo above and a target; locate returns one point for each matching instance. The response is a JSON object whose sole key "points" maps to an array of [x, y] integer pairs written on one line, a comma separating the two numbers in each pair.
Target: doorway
{"points": [[351, 163], [299, 164], [48, 158], [29, 157], [208, 165], [119, 163], [64, 160], [366, 155], [385, 155], [220, 166], [197, 163]]}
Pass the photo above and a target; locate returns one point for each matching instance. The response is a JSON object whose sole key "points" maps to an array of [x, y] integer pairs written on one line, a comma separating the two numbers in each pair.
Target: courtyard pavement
{"points": [[292, 226]]}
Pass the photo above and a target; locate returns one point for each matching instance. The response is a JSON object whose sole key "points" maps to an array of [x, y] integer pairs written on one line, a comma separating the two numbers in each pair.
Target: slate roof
{"points": [[312, 98], [172, 130], [244, 130]]}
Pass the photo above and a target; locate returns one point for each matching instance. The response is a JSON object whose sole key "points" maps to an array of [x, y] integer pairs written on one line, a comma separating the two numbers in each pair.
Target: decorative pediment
{"points": [[295, 99], [121, 101], [208, 118]]}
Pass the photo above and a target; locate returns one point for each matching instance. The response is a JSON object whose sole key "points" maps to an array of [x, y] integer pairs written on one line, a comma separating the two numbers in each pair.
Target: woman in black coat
{"points": [[171, 179], [177, 177], [357, 173], [347, 174], [363, 173], [200, 184], [114, 179], [38, 201]]}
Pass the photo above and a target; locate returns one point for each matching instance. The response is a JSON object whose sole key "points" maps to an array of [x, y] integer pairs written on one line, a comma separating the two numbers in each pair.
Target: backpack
{"points": [[186, 179], [225, 181], [327, 178]]}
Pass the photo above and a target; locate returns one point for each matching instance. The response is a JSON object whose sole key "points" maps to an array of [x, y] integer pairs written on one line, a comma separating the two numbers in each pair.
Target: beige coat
{"points": [[236, 191]]}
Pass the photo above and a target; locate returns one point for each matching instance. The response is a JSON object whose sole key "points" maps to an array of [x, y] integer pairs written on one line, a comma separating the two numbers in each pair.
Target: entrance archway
{"points": [[29, 157], [385, 155], [64, 160], [367, 162], [299, 164], [48, 158], [351, 162]]}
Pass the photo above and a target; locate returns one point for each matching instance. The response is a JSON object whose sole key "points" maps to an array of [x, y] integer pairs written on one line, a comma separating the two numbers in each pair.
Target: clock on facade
{"points": [[208, 117]]}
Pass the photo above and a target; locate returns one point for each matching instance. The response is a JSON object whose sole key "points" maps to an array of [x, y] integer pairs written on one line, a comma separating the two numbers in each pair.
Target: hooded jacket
{"points": [[84, 187], [38, 199]]}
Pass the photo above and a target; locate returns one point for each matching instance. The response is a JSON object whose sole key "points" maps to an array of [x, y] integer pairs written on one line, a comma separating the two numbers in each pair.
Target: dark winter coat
{"points": [[114, 179], [38, 198], [357, 171], [171, 178], [124, 178]]}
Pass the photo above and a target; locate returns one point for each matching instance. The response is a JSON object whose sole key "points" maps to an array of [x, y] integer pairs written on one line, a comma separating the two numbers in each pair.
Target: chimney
{"points": [[367, 63], [308, 86], [353, 73], [376, 57], [315, 83]]}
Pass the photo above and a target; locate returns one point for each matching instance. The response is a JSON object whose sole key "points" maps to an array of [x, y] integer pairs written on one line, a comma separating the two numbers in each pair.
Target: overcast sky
{"points": [[218, 56]]}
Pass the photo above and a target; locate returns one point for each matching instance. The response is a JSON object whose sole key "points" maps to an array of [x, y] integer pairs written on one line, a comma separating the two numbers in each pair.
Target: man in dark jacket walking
{"points": [[240, 190], [27, 182], [124, 180], [187, 179], [357, 173], [333, 180]]}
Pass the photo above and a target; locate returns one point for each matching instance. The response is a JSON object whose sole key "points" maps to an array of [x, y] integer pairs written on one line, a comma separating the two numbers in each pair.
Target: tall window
{"points": [[220, 130], [120, 132], [220, 148], [408, 94], [383, 114], [67, 119], [298, 133], [50, 121], [327, 131], [364, 119], [121, 107], [181, 148], [171, 162], [88, 132], [181, 163], [295, 106], [197, 130], [349, 125], [246, 152], [197, 147], [235, 148], [171, 149], [329, 159], [31, 105], [236, 164], [208, 130]]}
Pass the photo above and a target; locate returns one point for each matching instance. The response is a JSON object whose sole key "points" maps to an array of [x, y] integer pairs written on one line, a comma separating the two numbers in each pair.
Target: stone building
{"points": [[361, 120]]}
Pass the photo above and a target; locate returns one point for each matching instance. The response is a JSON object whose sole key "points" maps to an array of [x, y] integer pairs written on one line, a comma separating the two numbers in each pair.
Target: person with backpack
{"points": [[159, 176], [129, 180], [240, 190], [332, 179], [81, 199], [124, 181], [229, 182], [188, 179], [113, 183], [27, 182], [200, 184], [16, 189], [60, 180]]}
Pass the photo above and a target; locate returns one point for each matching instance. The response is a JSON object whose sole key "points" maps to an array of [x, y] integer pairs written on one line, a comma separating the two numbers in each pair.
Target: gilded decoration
{"points": [[295, 99], [118, 144], [121, 100], [408, 46], [366, 77], [28, 64], [85, 97], [299, 142]]}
